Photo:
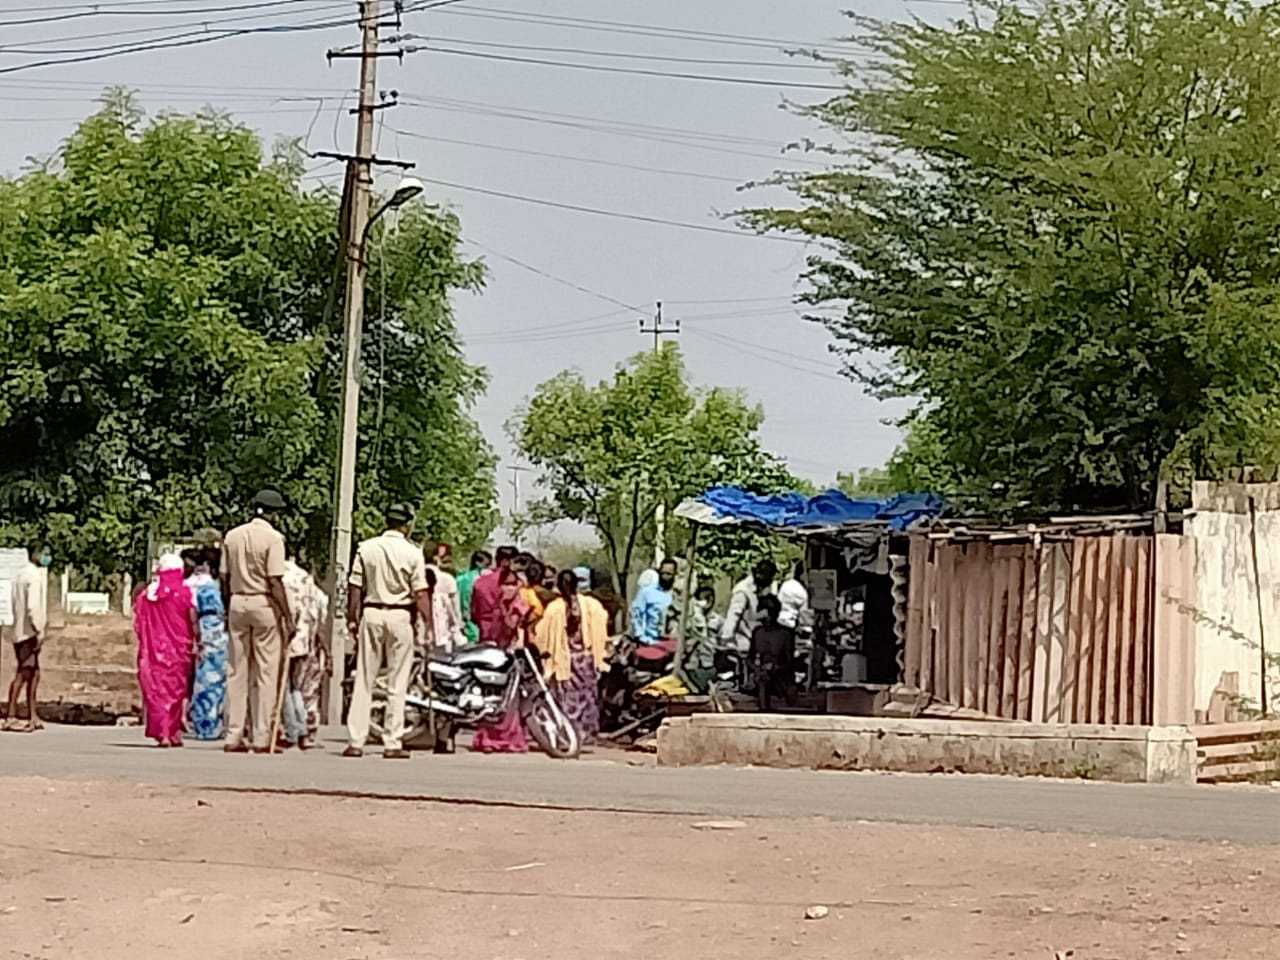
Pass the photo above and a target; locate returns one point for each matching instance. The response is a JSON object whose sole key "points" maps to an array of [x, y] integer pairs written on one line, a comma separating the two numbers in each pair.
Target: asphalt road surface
{"points": [[1249, 815]]}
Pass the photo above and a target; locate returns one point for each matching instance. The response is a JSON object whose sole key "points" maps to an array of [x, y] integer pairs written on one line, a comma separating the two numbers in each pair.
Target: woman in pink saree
{"points": [[502, 623], [164, 620]]}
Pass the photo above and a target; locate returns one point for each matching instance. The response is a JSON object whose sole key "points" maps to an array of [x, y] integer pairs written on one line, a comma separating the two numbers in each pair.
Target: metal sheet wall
{"points": [[1059, 632]]}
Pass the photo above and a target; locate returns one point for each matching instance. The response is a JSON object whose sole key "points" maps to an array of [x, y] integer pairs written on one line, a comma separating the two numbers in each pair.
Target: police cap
{"points": [[398, 514], [269, 499]]}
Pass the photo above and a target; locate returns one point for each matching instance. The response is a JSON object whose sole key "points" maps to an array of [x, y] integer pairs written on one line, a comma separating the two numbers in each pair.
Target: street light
{"points": [[406, 190]]}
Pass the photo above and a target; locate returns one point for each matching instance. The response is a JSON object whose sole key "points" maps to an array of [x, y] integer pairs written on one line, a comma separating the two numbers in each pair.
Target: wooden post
{"points": [[1161, 520]]}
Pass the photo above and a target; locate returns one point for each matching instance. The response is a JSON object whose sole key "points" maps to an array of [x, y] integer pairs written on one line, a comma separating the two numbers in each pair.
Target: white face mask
{"points": [[704, 606]]}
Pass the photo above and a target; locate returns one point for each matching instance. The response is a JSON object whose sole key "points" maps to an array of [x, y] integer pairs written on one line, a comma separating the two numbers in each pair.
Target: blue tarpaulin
{"points": [[795, 511]]}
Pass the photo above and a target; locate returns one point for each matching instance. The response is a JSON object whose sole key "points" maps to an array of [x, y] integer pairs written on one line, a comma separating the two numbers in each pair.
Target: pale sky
{"points": [[584, 133]]}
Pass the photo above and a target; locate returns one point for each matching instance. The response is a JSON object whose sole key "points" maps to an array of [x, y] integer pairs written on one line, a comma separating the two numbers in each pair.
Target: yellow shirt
{"points": [[389, 569], [253, 553], [553, 635]]}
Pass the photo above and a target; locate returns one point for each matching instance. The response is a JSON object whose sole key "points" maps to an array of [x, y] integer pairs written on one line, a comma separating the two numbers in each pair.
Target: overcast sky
{"points": [[649, 146]]}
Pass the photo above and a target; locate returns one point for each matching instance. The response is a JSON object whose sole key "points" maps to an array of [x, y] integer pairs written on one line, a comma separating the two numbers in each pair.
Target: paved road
{"points": [[1240, 815]]}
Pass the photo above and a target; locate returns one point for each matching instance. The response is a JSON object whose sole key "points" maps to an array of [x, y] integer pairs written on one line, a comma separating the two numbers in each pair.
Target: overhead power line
{"points": [[23, 47], [527, 113], [632, 71], [85, 11], [617, 214], [505, 148], [188, 39], [764, 354], [517, 337], [632, 55], [675, 138], [581, 323], [643, 29], [556, 279], [731, 300]]}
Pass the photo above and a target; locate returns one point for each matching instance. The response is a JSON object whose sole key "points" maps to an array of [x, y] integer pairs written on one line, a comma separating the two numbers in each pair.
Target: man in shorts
{"points": [[30, 618]]}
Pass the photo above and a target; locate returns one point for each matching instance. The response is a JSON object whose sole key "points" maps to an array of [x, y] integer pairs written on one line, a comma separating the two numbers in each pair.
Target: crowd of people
{"points": [[232, 642]]}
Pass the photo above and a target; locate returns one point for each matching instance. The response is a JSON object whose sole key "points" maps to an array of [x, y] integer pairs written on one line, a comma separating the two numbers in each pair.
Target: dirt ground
{"points": [[113, 871]]}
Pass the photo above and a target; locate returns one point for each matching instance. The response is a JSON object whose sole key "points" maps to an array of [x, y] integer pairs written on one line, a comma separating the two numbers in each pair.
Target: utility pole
{"points": [[660, 328], [516, 470], [360, 180]]}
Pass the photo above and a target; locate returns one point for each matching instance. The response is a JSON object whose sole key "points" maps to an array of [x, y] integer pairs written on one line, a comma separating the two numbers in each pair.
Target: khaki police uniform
{"points": [[390, 570], [252, 554]]}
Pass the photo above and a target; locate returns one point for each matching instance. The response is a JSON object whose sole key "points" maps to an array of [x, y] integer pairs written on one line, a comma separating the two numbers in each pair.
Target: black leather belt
{"points": [[389, 606]]}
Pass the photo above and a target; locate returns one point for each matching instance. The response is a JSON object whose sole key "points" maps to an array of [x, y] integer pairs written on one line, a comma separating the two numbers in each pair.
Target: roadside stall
{"points": [[854, 550]]}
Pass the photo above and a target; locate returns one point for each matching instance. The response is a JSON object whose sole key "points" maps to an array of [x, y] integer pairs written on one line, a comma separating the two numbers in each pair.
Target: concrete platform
{"points": [[1122, 754]]}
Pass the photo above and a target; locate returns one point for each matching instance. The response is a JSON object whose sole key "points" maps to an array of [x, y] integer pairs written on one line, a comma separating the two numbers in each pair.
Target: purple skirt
{"points": [[579, 696]]}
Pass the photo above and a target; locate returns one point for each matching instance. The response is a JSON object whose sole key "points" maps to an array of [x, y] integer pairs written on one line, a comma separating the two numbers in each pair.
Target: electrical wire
{"points": [[769, 348], [588, 122], [515, 338], [788, 299], [740, 314], [654, 133], [546, 274], [617, 214], [23, 48], [662, 58], [564, 156], [558, 326], [673, 140], [102, 11], [766, 357], [631, 71], [190, 39], [638, 29]]}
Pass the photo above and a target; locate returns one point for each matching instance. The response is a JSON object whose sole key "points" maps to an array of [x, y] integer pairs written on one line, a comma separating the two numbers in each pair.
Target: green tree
{"points": [[1058, 221], [611, 454], [164, 347], [918, 465]]}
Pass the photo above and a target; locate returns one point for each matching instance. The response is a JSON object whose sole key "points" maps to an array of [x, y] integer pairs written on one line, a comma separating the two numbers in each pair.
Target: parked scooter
{"points": [[475, 687]]}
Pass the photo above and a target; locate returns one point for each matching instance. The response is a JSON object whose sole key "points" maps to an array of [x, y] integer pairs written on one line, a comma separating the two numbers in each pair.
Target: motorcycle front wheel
{"points": [[550, 728]]}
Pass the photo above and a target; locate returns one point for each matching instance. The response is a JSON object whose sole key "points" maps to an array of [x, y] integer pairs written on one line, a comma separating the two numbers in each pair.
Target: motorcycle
{"points": [[632, 667], [474, 687]]}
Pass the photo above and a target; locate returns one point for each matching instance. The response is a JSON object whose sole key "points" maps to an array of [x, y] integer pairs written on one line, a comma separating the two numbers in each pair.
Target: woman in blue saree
{"points": [[209, 689]]}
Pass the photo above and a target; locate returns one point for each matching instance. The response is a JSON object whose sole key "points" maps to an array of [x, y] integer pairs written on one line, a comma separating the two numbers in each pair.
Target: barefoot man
{"points": [[30, 616]]}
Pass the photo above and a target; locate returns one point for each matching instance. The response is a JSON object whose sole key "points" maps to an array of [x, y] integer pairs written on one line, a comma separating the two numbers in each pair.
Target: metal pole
{"points": [[353, 331], [1257, 589]]}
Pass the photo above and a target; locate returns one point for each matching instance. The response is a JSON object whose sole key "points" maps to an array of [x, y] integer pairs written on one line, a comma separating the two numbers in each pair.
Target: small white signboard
{"points": [[11, 563]]}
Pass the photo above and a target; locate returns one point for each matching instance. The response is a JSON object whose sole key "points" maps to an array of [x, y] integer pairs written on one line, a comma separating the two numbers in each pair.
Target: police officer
{"points": [[258, 621], [388, 587]]}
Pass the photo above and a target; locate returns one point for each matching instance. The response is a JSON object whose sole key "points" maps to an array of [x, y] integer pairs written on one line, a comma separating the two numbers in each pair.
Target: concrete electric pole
{"points": [[660, 328], [360, 180], [354, 243]]}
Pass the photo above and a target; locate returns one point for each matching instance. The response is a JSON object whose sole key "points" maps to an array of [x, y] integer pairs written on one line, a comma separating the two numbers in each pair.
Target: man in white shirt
{"points": [[743, 615], [794, 599], [30, 618], [445, 602]]}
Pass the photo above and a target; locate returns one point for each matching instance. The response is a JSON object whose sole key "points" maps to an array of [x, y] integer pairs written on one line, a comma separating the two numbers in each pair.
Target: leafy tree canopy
{"points": [[612, 453], [1058, 219], [165, 349]]}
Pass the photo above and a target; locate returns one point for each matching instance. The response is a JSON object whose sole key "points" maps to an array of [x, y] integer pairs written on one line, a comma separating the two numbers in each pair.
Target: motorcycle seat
{"points": [[662, 650], [484, 656]]}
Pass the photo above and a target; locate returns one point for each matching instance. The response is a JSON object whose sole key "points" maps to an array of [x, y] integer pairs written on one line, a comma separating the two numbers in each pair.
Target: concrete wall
{"points": [[1228, 633], [1127, 754]]}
